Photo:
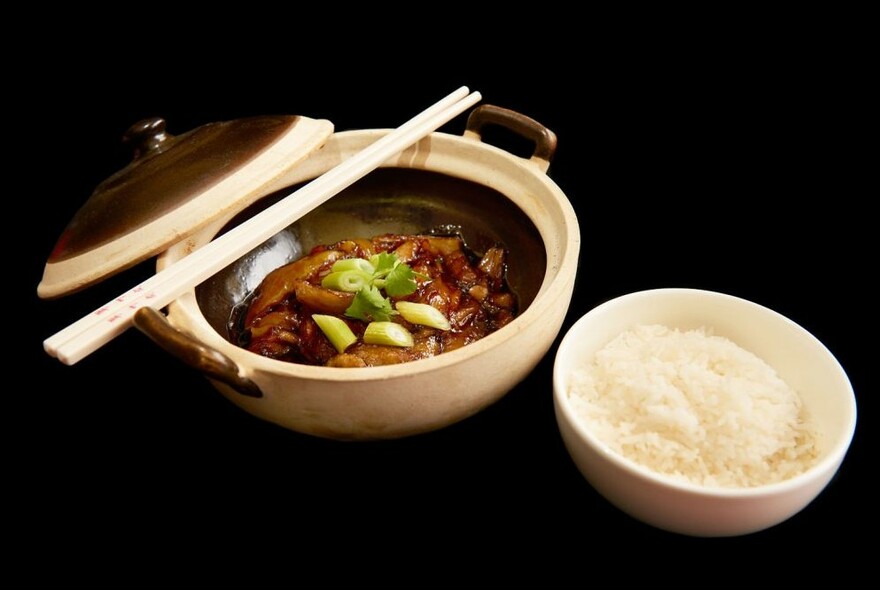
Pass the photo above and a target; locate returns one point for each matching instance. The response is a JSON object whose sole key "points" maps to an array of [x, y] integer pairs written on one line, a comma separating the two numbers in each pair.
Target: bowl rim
{"points": [[825, 467]]}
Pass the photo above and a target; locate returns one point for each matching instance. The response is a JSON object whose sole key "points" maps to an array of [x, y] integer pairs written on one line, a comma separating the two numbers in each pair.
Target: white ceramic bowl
{"points": [[797, 356]]}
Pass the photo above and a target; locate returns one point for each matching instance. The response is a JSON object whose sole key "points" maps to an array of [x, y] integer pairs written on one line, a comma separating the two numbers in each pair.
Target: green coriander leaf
{"points": [[369, 305], [400, 281], [384, 263]]}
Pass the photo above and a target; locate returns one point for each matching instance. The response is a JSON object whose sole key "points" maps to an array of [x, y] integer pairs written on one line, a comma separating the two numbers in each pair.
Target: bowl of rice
{"points": [[701, 413]]}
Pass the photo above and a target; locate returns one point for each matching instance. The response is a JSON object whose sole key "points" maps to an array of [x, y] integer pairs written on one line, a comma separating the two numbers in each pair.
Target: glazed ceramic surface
{"points": [[493, 196]]}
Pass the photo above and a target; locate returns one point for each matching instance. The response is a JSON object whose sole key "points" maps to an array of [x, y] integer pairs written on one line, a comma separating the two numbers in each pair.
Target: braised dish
{"points": [[380, 301], [492, 196]]}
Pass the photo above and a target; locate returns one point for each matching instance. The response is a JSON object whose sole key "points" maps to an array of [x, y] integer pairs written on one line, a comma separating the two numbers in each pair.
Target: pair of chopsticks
{"points": [[93, 331]]}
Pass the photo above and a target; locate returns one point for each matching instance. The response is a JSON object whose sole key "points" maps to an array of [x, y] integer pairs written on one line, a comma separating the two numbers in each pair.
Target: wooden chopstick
{"points": [[93, 331]]}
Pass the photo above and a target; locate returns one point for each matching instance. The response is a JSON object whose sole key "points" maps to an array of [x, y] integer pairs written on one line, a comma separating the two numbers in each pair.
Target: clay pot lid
{"points": [[174, 186]]}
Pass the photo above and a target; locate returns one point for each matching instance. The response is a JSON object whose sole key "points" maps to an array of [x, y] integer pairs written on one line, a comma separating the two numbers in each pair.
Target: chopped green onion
{"points": [[388, 333], [336, 331], [423, 314], [353, 264], [350, 281]]}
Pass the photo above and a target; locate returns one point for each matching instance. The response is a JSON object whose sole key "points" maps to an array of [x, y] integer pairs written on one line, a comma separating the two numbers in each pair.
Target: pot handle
{"points": [[545, 140], [209, 361]]}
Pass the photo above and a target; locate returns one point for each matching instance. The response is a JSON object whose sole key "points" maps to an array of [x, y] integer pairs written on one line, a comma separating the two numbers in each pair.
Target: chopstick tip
{"points": [[50, 350]]}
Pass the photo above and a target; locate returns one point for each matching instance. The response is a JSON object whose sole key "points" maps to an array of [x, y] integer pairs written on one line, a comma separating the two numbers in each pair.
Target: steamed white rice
{"points": [[694, 406]]}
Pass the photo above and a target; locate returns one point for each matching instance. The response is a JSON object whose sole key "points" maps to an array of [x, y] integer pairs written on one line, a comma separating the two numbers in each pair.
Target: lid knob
{"points": [[146, 136]]}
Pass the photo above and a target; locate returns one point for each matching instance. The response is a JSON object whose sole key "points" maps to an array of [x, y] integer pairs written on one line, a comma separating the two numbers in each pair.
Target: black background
{"points": [[689, 165]]}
